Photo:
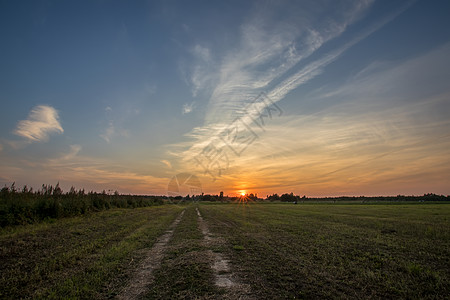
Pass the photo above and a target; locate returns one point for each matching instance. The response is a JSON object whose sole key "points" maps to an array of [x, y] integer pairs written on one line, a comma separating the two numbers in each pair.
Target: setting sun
{"points": [[243, 193]]}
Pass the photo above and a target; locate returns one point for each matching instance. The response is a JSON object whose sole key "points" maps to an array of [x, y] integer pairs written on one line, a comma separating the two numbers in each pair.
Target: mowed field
{"points": [[216, 251]]}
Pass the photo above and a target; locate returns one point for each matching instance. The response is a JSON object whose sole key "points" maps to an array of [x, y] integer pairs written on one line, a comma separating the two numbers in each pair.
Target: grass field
{"points": [[276, 250], [78, 257], [329, 251]]}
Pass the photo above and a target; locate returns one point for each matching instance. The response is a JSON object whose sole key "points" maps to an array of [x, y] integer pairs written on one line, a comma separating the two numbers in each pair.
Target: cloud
{"points": [[316, 67], [111, 131], [385, 130], [74, 150], [90, 173], [268, 57], [114, 122], [108, 133], [270, 49], [202, 53], [187, 108], [65, 157], [167, 163], [200, 73], [1, 148], [42, 121], [278, 57], [270, 53]]}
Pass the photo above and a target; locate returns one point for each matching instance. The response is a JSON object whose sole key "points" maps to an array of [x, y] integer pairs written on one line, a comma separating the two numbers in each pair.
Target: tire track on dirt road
{"points": [[143, 276], [224, 277]]}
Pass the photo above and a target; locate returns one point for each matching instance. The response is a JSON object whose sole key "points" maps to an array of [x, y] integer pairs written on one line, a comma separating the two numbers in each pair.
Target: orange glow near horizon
{"points": [[243, 199]]}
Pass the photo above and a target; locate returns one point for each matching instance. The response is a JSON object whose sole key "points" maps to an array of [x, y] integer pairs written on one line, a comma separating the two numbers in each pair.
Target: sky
{"points": [[318, 98]]}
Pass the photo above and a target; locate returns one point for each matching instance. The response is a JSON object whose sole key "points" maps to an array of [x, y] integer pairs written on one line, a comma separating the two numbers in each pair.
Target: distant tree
{"points": [[273, 197], [252, 197], [4, 191], [289, 197], [57, 191], [13, 189], [72, 191], [208, 197]]}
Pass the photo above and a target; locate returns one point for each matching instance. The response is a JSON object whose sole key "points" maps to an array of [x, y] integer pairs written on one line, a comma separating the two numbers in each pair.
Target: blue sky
{"points": [[125, 95]]}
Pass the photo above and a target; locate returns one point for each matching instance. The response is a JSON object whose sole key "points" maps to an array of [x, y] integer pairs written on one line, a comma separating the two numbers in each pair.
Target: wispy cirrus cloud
{"points": [[200, 73], [112, 130], [188, 107], [74, 150], [268, 55], [278, 57], [167, 163], [270, 49], [108, 132], [42, 121], [385, 129], [202, 52]]}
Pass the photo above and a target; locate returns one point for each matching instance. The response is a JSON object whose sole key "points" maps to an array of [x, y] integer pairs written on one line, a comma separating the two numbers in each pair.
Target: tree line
{"points": [[290, 197], [25, 206]]}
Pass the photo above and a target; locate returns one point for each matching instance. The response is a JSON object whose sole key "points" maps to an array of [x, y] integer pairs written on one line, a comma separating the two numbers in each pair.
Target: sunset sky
{"points": [[319, 98]]}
